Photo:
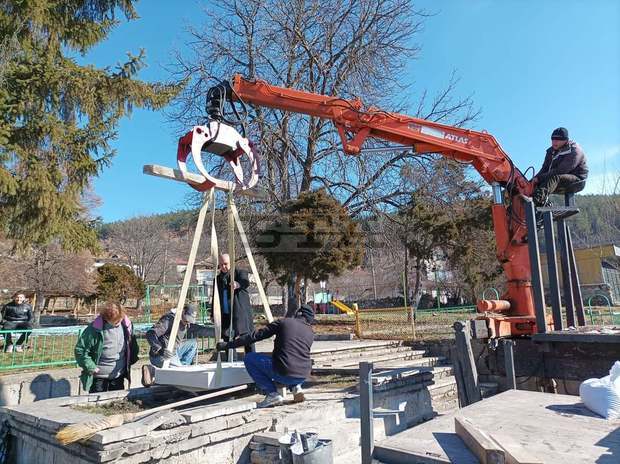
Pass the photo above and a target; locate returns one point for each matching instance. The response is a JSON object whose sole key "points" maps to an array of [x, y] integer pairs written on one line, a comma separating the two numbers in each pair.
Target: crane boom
{"points": [[355, 125]]}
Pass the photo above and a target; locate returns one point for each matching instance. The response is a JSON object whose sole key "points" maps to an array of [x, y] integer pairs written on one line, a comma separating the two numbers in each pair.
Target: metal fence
{"points": [[52, 347], [159, 299], [403, 324]]}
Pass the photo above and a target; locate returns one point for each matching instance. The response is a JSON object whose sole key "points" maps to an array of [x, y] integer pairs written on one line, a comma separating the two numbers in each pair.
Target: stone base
{"points": [[203, 377]]}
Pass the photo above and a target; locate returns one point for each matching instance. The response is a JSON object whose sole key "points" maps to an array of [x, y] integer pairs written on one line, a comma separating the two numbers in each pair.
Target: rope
{"points": [[248, 252], [188, 275], [231, 272]]}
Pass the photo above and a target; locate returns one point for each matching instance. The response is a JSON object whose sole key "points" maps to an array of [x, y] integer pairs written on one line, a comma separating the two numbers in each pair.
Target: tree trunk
{"points": [[292, 296], [417, 288], [284, 293], [38, 307], [374, 278], [406, 279]]}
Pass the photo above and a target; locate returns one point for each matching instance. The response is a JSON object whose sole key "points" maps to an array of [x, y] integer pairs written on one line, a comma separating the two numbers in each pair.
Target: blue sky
{"points": [[531, 66]]}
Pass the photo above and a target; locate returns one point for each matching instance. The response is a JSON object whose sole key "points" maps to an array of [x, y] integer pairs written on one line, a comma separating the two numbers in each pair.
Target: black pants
{"points": [[103, 385], [549, 184], [16, 325]]}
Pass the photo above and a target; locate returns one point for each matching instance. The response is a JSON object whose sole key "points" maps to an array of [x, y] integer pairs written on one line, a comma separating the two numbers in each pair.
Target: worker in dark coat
{"points": [[290, 363], [242, 310], [564, 165]]}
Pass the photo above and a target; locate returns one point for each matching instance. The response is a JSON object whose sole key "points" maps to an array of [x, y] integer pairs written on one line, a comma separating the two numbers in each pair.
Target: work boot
{"points": [[298, 394], [148, 375], [272, 399], [9, 349]]}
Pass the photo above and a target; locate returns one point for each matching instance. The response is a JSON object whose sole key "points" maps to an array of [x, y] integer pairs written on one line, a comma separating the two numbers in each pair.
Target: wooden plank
{"points": [[478, 442], [248, 252], [514, 451], [189, 270], [192, 178]]}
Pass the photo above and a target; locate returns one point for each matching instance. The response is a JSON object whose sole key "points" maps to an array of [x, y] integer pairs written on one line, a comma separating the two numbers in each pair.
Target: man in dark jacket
{"points": [[185, 350], [16, 315], [290, 363], [565, 164], [242, 310]]}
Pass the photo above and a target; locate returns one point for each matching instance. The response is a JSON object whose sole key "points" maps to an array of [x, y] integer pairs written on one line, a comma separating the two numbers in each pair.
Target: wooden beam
{"points": [[192, 178], [478, 442], [188, 273]]}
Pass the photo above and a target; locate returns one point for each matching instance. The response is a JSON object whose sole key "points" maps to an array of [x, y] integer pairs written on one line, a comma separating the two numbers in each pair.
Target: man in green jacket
{"points": [[105, 351]]}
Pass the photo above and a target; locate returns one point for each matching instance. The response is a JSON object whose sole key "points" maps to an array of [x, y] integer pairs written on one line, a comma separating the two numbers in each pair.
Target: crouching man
{"points": [[289, 364], [185, 346]]}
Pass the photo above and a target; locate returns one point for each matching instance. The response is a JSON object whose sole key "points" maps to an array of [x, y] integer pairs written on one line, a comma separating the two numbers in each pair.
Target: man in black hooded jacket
{"points": [[289, 364], [16, 315], [565, 164]]}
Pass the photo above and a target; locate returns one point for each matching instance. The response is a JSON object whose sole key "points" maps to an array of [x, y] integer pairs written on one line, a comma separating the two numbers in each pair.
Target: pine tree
{"points": [[313, 238], [57, 118], [117, 283]]}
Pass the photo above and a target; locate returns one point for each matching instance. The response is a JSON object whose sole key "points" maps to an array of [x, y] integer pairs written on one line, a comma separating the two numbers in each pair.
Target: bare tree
{"points": [[143, 242], [335, 47], [50, 271]]}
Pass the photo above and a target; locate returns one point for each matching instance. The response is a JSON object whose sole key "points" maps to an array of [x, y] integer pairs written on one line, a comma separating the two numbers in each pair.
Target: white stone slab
{"points": [[203, 376]]}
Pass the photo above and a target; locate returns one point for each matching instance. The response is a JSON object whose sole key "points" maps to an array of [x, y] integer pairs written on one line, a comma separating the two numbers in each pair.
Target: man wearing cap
{"points": [[185, 350], [565, 164], [290, 362]]}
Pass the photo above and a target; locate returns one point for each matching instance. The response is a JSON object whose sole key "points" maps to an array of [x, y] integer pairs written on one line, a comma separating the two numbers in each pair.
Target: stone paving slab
{"points": [[227, 408], [556, 428]]}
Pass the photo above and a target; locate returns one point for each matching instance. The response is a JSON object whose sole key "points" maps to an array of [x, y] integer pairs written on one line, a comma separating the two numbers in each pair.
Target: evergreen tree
{"points": [[313, 238], [57, 118], [118, 283]]}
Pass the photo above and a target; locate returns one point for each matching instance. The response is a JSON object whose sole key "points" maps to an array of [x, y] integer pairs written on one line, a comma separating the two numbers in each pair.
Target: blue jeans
{"points": [[186, 352], [260, 368]]}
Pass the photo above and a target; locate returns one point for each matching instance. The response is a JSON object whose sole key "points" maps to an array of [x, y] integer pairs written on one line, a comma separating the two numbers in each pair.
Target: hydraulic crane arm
{"points": [[478, 148], [355, 125]]}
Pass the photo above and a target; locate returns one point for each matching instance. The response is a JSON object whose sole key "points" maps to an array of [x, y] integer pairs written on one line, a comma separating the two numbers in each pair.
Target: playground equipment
{"points": [[343, 308]]}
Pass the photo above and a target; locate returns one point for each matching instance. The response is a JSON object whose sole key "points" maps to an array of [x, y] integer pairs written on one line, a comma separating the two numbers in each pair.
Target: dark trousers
{"points": [[101, 385], [226, 327], [16, 325], [549, 184], [260, 368]]}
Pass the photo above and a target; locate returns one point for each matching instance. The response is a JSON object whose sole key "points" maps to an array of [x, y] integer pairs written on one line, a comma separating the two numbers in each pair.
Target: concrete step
{"points": [[353, 369], [421, 361], [375, 358], [361, 346], [361, 354], [442, 385]]}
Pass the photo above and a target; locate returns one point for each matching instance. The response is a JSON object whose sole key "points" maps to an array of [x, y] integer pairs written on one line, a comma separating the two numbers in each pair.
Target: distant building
{"points": [[599, 271]]}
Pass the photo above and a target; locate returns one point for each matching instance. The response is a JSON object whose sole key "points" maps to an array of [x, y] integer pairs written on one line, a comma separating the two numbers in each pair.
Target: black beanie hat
{"points": [[306, 312], [561, 133]]}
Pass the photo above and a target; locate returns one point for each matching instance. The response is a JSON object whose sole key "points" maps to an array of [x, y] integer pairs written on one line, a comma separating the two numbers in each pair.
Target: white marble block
{"points": [[203, 376]]}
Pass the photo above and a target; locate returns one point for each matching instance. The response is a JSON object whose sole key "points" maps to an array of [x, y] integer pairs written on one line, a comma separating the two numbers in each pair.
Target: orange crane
{"points": [[514, 313]]}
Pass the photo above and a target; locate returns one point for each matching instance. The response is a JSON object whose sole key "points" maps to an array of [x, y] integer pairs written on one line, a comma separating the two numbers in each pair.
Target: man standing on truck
{"points": [[564, 165]]}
